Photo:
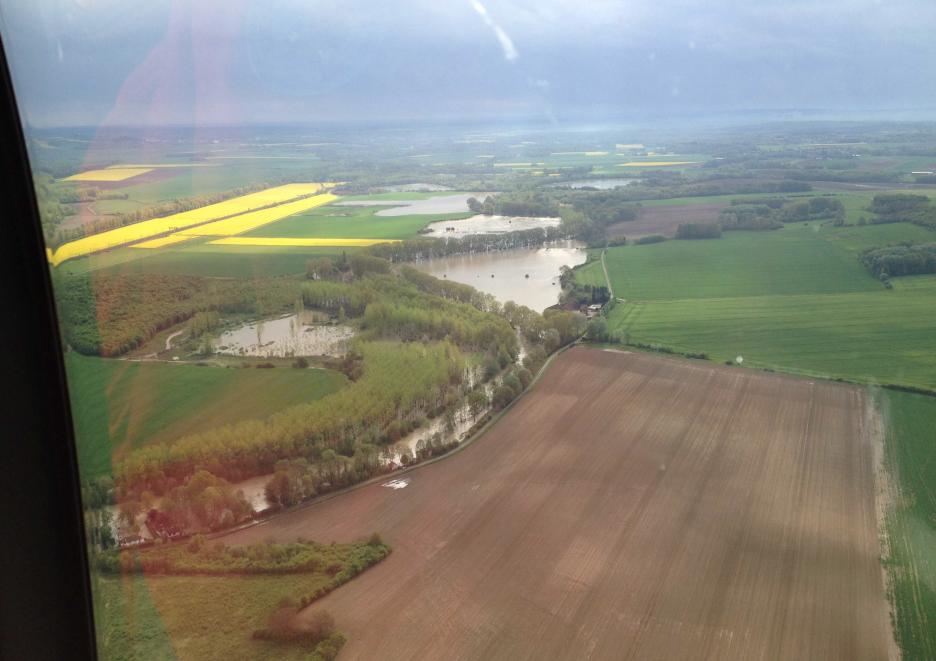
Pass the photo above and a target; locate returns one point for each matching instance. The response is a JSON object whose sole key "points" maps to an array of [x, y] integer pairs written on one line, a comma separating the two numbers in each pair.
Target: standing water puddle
{"points": [[487, 225], [286, 336]]}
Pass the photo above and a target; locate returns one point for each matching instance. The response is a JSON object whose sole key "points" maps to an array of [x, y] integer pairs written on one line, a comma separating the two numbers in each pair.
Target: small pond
{"points": [[286, 336]]}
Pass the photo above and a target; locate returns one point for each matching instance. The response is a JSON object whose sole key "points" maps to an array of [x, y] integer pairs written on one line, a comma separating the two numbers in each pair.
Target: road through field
{"points": [[629, 507]]}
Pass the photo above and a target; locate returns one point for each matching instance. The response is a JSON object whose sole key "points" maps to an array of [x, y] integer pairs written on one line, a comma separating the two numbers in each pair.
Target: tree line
{"points": [[903, 208], [904, 259], [109, 315], [414, 250], [409, 363]]}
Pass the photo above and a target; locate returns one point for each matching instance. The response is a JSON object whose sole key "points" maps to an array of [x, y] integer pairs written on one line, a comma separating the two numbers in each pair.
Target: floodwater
{"points": [[410, 444], [254, 490], [418, 187], [286, 336], [528, 276], [487, 225], [600, 184], [457, 203]]}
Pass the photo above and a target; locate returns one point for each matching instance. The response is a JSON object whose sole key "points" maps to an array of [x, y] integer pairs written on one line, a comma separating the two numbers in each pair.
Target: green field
{"points": [[792, 260], [911, 520], [874, 337], [196, 617], [203, 259], [351, 223], [855, 202], [186, 182], [795, 299], [123, 404]]}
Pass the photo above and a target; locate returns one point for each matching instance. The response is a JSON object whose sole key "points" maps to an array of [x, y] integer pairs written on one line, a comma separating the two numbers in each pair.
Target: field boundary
{"points": [[605, 269], [886, 495]]}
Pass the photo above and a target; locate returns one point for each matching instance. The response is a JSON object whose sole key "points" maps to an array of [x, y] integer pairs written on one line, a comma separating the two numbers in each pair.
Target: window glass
{"points": [[494, 329]]}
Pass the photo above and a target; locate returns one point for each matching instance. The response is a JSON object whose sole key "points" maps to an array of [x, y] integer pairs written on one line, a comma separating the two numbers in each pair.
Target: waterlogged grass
{"points": [[119, 404], [911, 521]]}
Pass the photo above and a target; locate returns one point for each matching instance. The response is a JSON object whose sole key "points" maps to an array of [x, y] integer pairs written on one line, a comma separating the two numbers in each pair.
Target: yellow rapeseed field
{"points": [[254, 219], [654, 164], [167, 240], [264, 241], [156, 226], [109, 174]]}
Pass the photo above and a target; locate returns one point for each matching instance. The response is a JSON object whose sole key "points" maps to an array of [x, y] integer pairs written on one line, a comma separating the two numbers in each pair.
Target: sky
{"points": [[207, 62]]}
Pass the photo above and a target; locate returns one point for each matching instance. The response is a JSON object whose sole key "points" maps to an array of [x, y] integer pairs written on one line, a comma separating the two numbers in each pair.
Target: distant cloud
{"points": [[510, 51]]}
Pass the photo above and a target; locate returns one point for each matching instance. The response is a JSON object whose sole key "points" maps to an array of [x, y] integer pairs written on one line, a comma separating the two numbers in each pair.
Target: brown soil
{"points": [[665, 219], [629, 507]]}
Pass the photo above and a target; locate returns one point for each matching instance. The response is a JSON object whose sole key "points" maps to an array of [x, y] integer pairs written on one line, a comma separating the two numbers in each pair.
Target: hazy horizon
{"points": [[113, 63]]}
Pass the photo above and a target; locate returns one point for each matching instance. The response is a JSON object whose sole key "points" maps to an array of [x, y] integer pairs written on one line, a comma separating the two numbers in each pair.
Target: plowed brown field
{"points": [[629, 507], [664, 219]]}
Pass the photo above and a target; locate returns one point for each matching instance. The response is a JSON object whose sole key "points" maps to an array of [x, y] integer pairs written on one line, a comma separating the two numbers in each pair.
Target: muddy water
{"points": [[487, 225], [410, 443], [286, 336], [254, 490], [528, 276]]}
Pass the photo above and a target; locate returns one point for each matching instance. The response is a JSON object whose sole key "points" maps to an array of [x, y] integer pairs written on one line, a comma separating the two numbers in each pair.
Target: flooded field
{"points": [[286, 336], [418, 187], [528, 276], [457, 203], [254, 490], [445, 432], [600, 184], [487, 225]]}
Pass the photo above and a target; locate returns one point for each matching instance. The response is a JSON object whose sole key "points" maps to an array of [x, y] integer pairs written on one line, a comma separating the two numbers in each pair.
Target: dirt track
{"points": [[630, 507]]}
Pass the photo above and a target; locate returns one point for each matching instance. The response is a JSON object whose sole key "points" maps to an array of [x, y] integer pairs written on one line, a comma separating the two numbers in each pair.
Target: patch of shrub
{"points": [[698, 231]]}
